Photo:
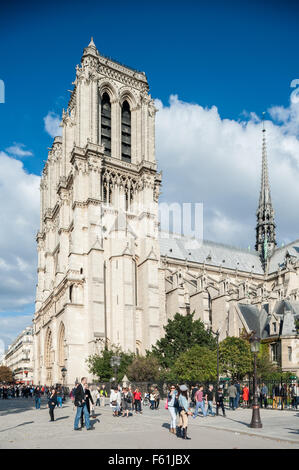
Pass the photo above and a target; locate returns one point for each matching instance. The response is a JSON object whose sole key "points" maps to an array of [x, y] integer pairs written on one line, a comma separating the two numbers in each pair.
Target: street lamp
{"points": [[256, 419], [63, 373], [115, 363], [216, 333]]}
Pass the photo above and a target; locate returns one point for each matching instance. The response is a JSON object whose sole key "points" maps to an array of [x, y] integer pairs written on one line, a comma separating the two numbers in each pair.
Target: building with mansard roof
{"points": [[106, 274]]}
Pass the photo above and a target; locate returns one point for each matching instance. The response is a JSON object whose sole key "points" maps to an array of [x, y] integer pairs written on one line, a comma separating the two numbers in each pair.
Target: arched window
{"points": [[106, 124], [126, 132]]}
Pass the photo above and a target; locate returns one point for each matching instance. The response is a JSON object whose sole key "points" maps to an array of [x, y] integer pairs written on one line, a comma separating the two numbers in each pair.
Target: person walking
{"points": [[137, 401], [88, 399], [264, 395], [184, 412], [199, 400], [152, 400], [37, 394], [59, 397], [80, 403], [126, 402], [103, 395], [209, 398], [157, 398], [219, 399], [237, 399], [172, 403], [52, 402], [94, 395], [115, 400], [245, 396], [232, 393]]}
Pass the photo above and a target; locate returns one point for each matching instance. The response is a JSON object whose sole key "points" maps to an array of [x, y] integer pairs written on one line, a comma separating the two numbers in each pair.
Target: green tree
{"points": [[144, 369], [264, 367], [198, 364], [235, 357], [5, 374], [100, 364], [181, 334]]}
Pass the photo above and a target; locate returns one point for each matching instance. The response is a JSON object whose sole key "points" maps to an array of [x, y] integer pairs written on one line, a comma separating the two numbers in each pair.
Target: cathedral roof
{"points": [[210, 253], [256, 320], [277, 260]]}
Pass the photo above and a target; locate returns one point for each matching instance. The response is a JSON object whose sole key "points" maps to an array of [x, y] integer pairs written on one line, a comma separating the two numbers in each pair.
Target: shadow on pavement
{"points": [[17, 426], [166, 425], [62, 417]]}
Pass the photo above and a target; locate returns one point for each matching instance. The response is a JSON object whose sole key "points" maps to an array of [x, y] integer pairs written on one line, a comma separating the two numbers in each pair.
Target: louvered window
{"points": [[126, 132], [106, 124]]}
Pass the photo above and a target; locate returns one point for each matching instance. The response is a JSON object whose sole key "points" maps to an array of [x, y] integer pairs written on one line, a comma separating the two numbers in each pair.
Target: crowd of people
{"points": [[181, 402]]}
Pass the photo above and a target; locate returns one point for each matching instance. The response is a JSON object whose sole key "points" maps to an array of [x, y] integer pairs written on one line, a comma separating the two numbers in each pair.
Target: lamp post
{"points": [[256, 419], [63, 373], [115, 363], [216, 333]]}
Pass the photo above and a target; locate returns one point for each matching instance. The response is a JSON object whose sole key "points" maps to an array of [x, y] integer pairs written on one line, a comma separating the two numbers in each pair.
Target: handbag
{"points": [[166, 404], [114, 403]]}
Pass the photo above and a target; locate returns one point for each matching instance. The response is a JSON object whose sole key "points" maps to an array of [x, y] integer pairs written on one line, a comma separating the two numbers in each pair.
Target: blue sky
{"points": [[214, 62]]}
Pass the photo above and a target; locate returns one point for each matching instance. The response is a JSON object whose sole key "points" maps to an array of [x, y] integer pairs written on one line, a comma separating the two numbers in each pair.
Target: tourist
{"points": [[115, 401], [80, 403], [126, 401], [137, 401], [59, 397], [157, 398], [172, 403], [264, 395], [95, 395], [209, 398], [194, 389], [245, 396], [103, 395], [52, 402], [232, 393], [237, 399], [88, 398], [184, 411], [37, 394], [152, 400], [199, 402], [219, 398]]}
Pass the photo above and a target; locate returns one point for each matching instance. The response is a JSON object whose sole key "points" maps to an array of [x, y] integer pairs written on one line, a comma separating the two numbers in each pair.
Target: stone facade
{"points": [[19, 357], [106, 275]]}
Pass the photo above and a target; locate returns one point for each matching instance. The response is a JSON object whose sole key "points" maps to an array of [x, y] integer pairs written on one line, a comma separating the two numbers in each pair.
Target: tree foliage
{"points": [[235, 357], [100, 364], [181, 334], [144, 369], [265, 369], [5, 374], [198, 364]]}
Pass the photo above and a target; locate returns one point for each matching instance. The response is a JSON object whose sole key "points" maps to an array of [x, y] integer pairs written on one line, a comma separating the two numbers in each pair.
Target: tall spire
{"points": [[265, 228]]}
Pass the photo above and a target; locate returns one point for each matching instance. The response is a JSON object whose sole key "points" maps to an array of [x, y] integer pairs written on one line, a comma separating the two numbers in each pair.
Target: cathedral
{"points": [[107, 275]]}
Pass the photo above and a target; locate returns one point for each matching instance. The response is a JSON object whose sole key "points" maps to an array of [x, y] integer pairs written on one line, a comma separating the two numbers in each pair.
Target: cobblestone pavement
{"points": [[22, 426]]}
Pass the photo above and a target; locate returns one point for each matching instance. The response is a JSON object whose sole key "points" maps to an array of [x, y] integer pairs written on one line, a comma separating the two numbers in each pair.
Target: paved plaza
{"points": [[24, 427]]}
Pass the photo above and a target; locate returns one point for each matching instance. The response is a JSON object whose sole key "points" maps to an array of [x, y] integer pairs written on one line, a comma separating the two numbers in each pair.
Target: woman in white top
{"points": [[115, 399]]}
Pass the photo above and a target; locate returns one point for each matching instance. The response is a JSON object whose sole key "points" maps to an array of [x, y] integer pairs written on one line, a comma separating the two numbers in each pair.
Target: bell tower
{"points": [[98, 240]]}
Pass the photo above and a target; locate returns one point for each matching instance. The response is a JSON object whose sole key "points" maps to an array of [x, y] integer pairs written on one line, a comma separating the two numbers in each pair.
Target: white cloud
{"points": [[217, 161], [19, 209], [18, 150], [11, 327], [52, 124]]}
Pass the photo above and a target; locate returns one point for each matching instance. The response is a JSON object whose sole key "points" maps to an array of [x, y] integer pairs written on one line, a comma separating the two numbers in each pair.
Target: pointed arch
{"points": [[126, 131], [61, 345], [48, 349], [106, 123]]}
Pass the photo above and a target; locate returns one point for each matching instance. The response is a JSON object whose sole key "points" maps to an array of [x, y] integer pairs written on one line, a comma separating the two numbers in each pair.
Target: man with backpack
{"points": [[199, 400]]}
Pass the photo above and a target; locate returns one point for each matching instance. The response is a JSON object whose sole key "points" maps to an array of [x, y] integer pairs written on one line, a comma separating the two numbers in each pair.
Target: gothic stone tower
{"points": [[98, 263]]}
